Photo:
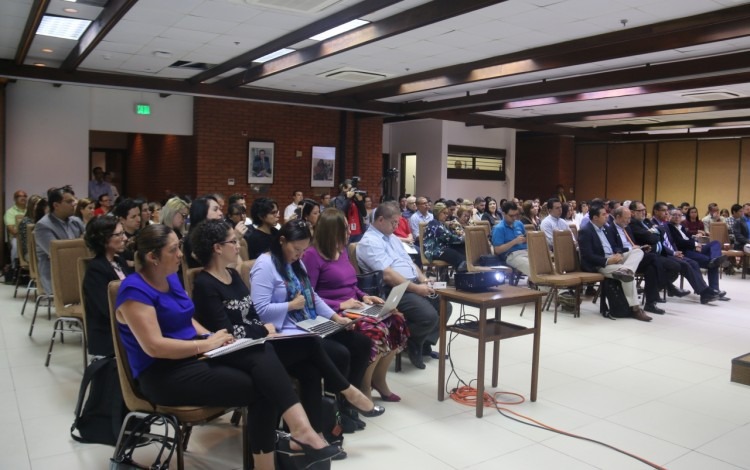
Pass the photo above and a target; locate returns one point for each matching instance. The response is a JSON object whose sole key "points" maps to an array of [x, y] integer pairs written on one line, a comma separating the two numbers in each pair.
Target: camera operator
{"points": [[351, 202]]}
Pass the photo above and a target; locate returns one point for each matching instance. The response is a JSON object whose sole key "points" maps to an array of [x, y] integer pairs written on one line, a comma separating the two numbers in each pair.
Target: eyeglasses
{"points": [[227, 242], [118, 234], [276, 212]]}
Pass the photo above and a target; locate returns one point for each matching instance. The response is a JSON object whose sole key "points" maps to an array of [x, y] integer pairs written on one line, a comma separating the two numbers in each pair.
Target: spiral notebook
{"points": [[243, 343]]}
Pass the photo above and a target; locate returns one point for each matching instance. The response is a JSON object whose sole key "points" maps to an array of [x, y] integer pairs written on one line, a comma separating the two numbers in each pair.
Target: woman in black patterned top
{"points": [[222, 301]]}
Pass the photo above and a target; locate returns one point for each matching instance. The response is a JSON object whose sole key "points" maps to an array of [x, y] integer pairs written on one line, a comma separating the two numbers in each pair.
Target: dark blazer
{"points": [[741, 233], [614, 237], [642, 235], [677, 240], [98, 276], [592, 251]]}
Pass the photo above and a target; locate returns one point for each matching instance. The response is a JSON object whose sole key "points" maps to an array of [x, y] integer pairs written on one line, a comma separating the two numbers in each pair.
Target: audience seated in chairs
{"points": [[162, 341], [333, 278], [105, 237]]}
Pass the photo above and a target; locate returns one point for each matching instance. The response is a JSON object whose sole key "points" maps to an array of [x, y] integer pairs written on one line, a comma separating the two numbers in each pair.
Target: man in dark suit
{"points": [[597, 255], [709, 257], [740, 230], [688, 267], [657, 271]]}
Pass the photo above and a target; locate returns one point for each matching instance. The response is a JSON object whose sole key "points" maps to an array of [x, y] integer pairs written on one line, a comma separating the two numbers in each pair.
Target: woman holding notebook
{"points": [[223, 302], [333, 277], [163, 343]]}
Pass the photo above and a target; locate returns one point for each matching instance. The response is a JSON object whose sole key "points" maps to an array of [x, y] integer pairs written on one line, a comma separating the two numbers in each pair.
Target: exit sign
{"points": [[143, 109]]}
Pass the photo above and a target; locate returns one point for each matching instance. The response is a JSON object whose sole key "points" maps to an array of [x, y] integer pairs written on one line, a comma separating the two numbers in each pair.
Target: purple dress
{"points": [[335, 281]]}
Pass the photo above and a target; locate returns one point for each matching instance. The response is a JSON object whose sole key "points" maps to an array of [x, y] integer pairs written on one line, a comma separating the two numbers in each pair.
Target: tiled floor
{"points": [[660, 390]]}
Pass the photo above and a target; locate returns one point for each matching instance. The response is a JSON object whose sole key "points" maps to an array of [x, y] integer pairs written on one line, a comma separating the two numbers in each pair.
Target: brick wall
{"points": [[223, 129], [158, 165]]}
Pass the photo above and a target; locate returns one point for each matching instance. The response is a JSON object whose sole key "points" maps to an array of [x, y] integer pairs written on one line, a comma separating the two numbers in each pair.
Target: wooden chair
{"points": [[567, 260], [245, 269], [542, 273], [189, 279], [39, 289], [140, 406], [485, 224], [83, 265], [720, 233], [436, 264], [574, 231], [23, 263], [68, 306], [31, 287], [477, 244]]}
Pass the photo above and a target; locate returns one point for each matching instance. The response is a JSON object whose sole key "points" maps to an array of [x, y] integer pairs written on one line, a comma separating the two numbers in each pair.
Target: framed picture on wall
{"points": [[323, 164], [260, 160]]}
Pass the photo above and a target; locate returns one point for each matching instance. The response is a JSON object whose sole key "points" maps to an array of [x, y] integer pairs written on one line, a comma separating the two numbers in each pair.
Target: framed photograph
{"points": [[323, 164], [260, 160]]}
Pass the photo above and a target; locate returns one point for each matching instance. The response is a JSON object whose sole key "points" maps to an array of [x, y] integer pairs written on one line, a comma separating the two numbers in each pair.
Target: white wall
{"points": [[48, 130], [429, 139], [456, 133]]}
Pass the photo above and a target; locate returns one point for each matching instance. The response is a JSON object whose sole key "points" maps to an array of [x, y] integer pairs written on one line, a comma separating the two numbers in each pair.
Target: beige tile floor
{"points": [[660, 390]]}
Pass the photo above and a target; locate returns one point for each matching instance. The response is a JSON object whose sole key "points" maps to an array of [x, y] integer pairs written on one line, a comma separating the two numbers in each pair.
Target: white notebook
{"points": [[238, 344]]}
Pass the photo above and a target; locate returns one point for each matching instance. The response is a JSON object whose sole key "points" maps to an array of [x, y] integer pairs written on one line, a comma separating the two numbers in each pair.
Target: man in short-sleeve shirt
{"points": [[509, 239]]}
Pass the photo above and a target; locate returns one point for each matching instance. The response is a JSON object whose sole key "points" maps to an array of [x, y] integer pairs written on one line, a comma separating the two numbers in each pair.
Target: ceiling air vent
{"points": [[299, 6], [185, 64], [353, 75], [710, 95]]}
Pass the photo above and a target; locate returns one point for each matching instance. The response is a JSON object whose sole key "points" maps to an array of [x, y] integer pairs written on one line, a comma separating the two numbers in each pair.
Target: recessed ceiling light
{"points": [[274, 55], [47, 50], [70, 10], [39, 64], [62, 27], [339, 29]]}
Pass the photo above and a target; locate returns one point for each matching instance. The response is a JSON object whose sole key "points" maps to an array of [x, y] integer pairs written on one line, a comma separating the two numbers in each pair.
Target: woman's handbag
{"points": [[371, 283]]}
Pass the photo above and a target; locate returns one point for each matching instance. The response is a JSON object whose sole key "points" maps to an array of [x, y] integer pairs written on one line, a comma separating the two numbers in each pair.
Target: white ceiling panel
{"points": [[188, 35], [197, 23]]}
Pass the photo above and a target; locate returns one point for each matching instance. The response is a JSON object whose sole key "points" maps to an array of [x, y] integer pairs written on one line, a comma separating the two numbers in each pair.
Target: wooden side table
{"points": [[493, 329]]}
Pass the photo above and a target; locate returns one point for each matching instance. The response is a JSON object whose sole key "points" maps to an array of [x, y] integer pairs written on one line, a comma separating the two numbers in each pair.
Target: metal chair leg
{"points": [[58, 323]]}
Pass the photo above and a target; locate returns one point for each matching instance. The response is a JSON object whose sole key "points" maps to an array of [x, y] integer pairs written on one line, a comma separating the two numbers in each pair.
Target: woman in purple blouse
{"points": [[335, 281]]}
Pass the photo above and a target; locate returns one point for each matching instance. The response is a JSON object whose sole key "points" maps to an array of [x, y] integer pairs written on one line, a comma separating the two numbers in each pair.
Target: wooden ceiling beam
{"points": [[726, 24], [95, 33], [29, 31], [181, 87], [417, 17], [350, 13]]}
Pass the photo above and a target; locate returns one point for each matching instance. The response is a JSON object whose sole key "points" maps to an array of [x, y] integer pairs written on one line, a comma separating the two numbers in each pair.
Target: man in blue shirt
{"points": [[509, 239], [98, 186]]}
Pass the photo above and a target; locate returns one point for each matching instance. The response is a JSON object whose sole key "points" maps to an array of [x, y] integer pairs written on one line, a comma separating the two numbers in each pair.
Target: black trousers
{"points": [[306, 360], [252, 377], [350, 352], [422, 314], [452, 257]]}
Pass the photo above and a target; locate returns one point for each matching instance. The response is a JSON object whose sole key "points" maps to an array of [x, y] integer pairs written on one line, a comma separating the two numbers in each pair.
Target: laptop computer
{"points": [[380, 311]]}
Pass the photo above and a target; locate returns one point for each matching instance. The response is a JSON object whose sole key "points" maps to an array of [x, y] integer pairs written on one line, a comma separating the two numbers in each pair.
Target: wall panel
{"points": [[651, 157], [744, 185], [625, 171], [676, 171], [591, 169], [717, 180]]}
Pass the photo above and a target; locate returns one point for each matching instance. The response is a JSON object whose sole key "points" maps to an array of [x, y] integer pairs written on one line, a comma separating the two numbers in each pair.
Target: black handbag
{"points": [[371, 283]]}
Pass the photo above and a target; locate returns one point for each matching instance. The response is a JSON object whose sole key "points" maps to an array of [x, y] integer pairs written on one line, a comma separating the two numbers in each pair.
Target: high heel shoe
{"points": [[392, 397], [376, 410], [310, 455]]}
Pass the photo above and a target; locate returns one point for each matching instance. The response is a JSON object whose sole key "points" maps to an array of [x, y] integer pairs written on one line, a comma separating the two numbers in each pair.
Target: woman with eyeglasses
{"points": [[103, 205], [441, 243], [164, 343], [265, 216], [222, 301], [174, 214], [104, 236], [283, 295], [333, 277]]}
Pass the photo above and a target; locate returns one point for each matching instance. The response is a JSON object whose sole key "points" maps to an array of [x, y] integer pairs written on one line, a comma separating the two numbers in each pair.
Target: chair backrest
{"points": [[719, 232], [540, 262], [485, 224], [31, 250], [133, 399], [566, 255], [351, 250], [245, 269], [529, 227], [425, 261], [63, 255], [83, 265], [189, 279], [477, 245], [22, 260], [574, 230], [244, 250]]}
